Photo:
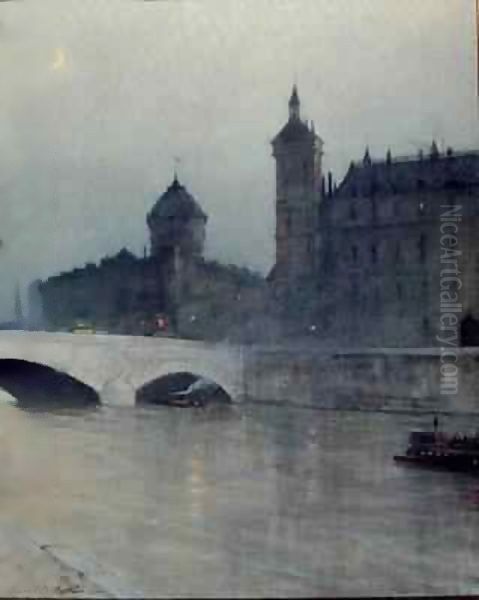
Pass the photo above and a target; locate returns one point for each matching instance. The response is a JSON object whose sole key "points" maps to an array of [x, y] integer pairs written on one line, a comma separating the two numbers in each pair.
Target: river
{"points": [[248, 500]]}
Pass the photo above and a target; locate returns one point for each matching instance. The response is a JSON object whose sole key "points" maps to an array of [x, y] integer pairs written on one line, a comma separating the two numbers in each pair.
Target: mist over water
{"points": [[39, 470], [248, 500]]}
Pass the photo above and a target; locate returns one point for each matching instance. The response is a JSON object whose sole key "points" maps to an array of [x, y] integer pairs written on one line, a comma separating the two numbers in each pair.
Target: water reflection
{"points": [[249, 501]]}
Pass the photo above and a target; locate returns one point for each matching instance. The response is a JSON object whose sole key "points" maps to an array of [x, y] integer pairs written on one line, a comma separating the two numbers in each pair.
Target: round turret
{"points": [[177, 221]]}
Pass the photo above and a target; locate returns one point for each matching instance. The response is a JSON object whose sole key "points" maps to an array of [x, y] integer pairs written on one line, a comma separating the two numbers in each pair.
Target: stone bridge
{"points": [[116, 367]]}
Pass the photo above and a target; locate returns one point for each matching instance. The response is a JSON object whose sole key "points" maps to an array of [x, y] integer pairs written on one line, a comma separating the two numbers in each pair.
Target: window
{"points": [[425, 288], [310, 246], [374, 254], [352, 212], [354, 253], [397, 255], [305, 170], [422, 247], [399, 291], [376, 298], [425, 325], [288, 222], [354, 292]]}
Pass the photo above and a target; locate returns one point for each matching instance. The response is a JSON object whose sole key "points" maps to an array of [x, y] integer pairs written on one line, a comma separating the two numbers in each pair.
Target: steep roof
{"points": [[295, 130], [410, 174], [177, 202]]}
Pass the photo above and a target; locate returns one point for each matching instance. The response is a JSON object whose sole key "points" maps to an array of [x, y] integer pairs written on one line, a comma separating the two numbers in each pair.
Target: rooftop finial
{"points": [[177, 161], [434, 150], [294, 104], [367, 157], [18, 305]]}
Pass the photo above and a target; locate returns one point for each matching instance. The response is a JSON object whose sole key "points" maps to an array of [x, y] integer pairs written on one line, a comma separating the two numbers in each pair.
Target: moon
{"points": [[59, 63]]}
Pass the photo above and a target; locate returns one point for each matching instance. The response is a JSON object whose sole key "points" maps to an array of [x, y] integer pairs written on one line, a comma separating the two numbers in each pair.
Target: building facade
{"points": [[172, 290], [394, 244], [297, 151]]}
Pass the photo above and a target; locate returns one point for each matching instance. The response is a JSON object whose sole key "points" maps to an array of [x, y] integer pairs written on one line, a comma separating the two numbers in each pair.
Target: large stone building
{"points": [[298, 153], [365, 262], [171, 288]]}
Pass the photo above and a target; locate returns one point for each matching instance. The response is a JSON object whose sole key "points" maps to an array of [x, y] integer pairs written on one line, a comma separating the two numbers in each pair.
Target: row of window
{"points": [[383, 209], [403, 292], [398, 253]]}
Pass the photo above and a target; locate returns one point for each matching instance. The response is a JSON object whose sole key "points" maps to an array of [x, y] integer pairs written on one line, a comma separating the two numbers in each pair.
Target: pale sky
{"points": [[99, 96]]}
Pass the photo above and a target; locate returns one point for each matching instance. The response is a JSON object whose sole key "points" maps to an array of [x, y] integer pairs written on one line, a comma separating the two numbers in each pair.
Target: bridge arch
{"points": [[164, 388], [32, 383]]}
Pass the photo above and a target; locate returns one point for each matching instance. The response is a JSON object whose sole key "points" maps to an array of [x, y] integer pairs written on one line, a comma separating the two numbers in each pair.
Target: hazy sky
{"points": [[98, 96]]}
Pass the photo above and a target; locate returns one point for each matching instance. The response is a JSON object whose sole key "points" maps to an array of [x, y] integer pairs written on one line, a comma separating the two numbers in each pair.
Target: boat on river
{"points": [[198, 394], [436, 449]]}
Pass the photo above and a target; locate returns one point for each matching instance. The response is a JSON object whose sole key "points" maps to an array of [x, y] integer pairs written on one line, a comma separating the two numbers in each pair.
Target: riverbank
{"points": [[28, 569]]}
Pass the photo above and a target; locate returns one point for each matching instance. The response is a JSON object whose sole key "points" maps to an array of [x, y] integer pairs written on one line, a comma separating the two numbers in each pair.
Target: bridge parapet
{"points": [[117, 366]]}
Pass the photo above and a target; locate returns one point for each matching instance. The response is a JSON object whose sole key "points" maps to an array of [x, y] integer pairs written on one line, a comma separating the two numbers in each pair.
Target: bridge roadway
{"points": [[116, 367]]}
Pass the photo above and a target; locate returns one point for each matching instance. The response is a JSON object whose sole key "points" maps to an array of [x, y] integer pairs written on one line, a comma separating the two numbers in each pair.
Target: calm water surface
{"points": [[245, 501]]}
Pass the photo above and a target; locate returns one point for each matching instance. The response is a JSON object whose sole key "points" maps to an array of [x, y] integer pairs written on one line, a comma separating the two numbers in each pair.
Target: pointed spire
{"points": [[175, 178], [294, 104], [313, 130], [389, 157], [18, 305], [367, 157], [434, 153]]}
